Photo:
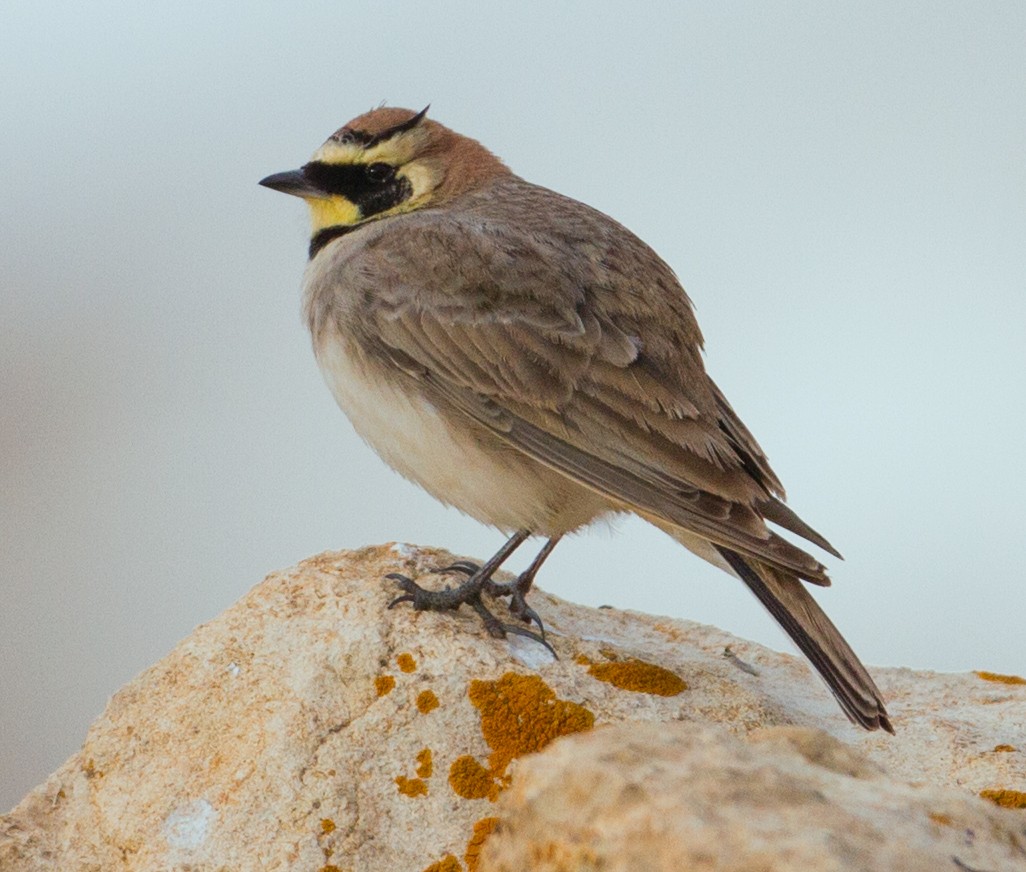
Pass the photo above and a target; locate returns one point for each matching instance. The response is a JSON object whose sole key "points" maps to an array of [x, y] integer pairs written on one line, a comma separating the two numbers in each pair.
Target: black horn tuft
{"points": [[395, 130]]}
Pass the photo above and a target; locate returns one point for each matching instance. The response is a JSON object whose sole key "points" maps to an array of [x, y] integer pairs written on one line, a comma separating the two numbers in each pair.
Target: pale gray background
{"points": [[841, 187]]}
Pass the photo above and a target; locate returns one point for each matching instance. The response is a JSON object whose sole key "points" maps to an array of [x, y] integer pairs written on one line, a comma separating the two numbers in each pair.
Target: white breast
{"points": [[494, 484]]}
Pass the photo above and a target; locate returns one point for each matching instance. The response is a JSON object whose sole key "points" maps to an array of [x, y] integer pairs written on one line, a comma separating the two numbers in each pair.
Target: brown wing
{"points": [[553, 326]]}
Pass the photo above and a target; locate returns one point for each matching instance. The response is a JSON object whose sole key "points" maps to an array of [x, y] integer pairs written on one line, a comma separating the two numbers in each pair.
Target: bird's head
{"points": [[385, 162]]}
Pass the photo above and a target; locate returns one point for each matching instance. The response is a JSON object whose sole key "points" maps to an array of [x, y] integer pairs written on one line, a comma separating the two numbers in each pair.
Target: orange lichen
{"points": [[448, 863], [327, 825], [406, 662], [471, 780], [329, 868], [482, 830], [1004, 748], [383, 684], [1001, 679], [943, 819], [637, 676], [1005, 798], [90, 770], [426, 701], [520, 714], [424, 764], [411, 786]]}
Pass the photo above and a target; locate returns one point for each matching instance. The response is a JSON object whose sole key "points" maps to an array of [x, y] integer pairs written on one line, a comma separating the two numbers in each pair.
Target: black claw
{"points": [[464, 566], [499, 630], [528, 615], [407, 584], [520, 631]]}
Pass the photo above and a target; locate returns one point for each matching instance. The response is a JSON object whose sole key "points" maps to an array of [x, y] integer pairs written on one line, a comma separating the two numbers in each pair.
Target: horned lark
{"points": [[530, 361]]}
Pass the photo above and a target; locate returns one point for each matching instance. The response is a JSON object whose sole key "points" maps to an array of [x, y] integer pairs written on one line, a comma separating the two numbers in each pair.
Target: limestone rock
{"points": [[309, 728], [671, 797]]}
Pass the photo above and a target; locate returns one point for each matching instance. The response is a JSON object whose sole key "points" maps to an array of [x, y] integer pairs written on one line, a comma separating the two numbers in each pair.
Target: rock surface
{"points": [[309, 728], [671, 797]]}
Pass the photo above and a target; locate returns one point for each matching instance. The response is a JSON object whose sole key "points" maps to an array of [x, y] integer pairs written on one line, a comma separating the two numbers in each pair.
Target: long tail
{"points": [[813, 632]]}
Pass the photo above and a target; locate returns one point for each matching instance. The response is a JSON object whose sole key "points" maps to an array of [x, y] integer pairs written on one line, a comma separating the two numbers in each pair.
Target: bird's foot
{"points": [[469, 592], [516, 590], [425, 600]]}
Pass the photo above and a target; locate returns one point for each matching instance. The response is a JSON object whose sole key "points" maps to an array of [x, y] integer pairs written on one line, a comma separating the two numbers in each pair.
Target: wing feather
{"points": [[579, 349]]}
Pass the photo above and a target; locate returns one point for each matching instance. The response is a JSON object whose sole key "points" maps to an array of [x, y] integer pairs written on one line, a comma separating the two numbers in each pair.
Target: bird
{"points": [[530, 361]]}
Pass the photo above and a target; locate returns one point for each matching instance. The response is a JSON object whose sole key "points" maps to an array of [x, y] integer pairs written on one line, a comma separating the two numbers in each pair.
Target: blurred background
{"points": [[840, 187]]}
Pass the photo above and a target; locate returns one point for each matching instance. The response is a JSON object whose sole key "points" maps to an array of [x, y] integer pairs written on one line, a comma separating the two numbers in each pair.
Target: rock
{"points": [[680, 796], [310, 728]]}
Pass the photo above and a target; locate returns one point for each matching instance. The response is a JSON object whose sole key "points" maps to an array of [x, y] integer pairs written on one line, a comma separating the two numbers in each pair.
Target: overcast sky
{"points": [[840, 187]]}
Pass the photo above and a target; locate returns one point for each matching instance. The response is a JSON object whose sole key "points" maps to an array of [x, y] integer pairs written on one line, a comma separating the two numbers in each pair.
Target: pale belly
{"points": [[459, 465]]}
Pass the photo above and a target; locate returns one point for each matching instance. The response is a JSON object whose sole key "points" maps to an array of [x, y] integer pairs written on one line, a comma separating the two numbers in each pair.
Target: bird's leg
{"points": [[468, 592], [517, 589]]}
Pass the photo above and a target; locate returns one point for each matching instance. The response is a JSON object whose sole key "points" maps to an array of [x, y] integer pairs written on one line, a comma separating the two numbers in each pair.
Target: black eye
{"points": [[380, 172]]}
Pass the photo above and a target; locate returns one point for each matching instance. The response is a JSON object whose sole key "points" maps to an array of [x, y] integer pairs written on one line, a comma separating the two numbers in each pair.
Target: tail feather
{"points": [[787, 600]]}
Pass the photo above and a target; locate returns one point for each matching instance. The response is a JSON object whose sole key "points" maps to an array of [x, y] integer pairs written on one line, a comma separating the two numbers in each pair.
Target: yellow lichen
{"points": [[411, 786], [327, 825], [383, 684], [426, 701], [1001, 679], [938, 818], [424, 764], [406, 662], [1004, 748], [1005, 798], [638, 677], [520, 714], [448, 863], [482, 830]]}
